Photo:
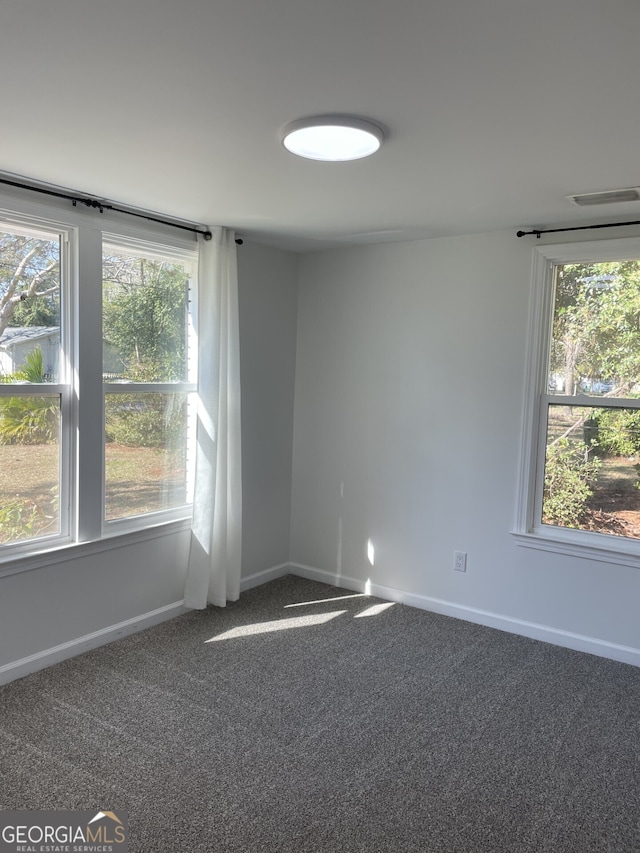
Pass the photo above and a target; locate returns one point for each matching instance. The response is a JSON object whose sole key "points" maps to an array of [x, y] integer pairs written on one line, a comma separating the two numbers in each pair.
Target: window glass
{"points": [[596, 329], [146, 466], [592, 454], [29, 304], [30, 355], [592, 469], [146, 326], [29, 467], [145, 309]]}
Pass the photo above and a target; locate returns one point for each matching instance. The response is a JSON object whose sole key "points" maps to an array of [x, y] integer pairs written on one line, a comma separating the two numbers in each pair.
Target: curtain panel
{"points": [[213, 571]]}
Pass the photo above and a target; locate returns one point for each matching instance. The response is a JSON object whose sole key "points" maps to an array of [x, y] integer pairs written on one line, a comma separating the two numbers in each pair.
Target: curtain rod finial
{"points": [[535, 231]]}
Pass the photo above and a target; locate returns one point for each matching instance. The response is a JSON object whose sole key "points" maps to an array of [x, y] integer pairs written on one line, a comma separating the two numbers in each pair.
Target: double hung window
{"points": [[97, 381], [148, 379], [580, 478]]}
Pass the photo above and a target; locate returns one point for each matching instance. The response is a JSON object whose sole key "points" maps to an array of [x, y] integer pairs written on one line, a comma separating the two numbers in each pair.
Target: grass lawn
{"points": [[138, 479], [142, 479], [28, 491]]}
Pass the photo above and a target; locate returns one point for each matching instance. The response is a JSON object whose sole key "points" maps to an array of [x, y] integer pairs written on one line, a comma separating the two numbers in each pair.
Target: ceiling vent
{"points": [[608, 197]]}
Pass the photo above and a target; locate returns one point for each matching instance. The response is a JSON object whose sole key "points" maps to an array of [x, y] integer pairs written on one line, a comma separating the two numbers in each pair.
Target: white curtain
{"points": [[213, 573]]}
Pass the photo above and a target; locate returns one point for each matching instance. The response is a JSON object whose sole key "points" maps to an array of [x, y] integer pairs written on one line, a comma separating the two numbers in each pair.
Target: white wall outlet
{"points": [[460, 561]]}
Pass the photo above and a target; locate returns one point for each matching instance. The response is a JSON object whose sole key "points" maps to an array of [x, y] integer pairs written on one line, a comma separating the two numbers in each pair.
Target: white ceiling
{"points": [[496, 110]]}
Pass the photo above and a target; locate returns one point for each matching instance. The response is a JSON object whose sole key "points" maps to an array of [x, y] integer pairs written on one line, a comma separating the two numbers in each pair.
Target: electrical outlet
{"points": [[460, 561]]}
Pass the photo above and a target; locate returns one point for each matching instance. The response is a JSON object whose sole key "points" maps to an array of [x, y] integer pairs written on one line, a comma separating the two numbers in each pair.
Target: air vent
{"points": [[609, 197]]}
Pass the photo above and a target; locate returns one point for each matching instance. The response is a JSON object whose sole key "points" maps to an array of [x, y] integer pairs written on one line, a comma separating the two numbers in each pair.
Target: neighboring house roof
{"points": [[13, 335]]}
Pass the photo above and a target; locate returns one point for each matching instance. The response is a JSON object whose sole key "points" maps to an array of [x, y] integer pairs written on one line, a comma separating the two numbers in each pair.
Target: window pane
{"points": [[592, 469], [145, 453], [29, 307], [144, 318], [29, 467], [595, 346]]}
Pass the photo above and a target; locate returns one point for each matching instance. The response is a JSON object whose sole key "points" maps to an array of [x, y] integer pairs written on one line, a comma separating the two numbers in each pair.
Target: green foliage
{"points": [[616, 432], [32, 419], [145, 420], [23, 518], [28, 420], [596, 326], [145, 316], [33, 370], [568, 474], [42, 311], [18, 520]]}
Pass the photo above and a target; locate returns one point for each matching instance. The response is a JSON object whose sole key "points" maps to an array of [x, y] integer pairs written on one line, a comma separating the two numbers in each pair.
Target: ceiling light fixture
{"points": [[332, 138], [607, 197]]}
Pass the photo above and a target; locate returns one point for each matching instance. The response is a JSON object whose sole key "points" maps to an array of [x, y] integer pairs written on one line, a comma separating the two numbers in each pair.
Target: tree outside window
{"points": [[591, 408]]}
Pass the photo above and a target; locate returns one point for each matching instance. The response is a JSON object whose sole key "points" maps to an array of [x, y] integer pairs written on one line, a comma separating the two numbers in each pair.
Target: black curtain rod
{"points": [[539, 231], [88, 201]]}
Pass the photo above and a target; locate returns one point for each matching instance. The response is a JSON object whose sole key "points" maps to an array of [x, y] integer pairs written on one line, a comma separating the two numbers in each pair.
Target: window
{"points": [[146, 379], [580, 478], [34, 388], [97, 380]]}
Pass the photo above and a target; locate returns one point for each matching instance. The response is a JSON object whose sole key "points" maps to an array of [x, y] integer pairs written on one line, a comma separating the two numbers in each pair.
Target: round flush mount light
{"points": [[332, 138]]}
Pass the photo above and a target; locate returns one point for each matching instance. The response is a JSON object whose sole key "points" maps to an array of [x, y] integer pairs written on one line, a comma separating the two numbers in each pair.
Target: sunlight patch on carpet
{"points": [[278, 625], [375, 609], [327, 600]]}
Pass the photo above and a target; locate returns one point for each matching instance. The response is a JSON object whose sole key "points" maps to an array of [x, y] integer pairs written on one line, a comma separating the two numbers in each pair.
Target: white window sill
{"points": [[583, 544], [62, 553]]}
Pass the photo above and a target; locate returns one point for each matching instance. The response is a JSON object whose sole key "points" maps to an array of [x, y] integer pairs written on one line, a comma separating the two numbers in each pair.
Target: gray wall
{"points": [[267, 281], [61, 602], [408, 416]]}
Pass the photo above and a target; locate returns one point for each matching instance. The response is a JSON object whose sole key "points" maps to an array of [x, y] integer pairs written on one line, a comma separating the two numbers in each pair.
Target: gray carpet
{"points": [[395, 731]]}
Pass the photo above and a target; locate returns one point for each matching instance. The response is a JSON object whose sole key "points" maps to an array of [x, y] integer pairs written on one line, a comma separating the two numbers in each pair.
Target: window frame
{"points": [[528, 528], [83, 528]]}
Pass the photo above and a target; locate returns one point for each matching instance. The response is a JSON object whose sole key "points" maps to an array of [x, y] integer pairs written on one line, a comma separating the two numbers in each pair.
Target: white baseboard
{"points": [[40, 660], [266, 575], [566, 639]]}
